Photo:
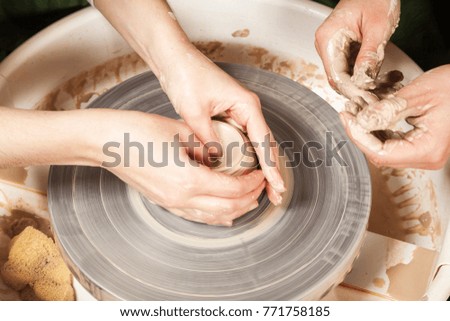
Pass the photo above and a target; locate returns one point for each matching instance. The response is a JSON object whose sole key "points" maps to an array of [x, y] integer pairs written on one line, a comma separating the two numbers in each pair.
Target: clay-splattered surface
{"points": [[393, 269], [83, 88], [404, 206], [88, 85]]}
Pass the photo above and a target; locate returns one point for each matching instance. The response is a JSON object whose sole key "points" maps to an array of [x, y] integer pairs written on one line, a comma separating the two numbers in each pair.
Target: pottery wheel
{"points": [[121, 246]]}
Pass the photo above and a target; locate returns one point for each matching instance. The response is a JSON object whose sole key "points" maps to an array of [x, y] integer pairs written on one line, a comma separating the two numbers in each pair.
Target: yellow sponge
{"points": [[34, 260]]}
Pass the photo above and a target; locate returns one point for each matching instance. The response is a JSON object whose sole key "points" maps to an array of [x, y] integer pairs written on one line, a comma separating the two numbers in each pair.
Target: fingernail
{"points": [[278, 186], [278, 200], [253, 206]]}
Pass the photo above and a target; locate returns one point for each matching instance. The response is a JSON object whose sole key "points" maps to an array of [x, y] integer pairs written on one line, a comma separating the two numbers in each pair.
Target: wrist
{"points": [[92, 129], [104, 126], [186, 65], [170, 57], [45, 138], [107, 145]]}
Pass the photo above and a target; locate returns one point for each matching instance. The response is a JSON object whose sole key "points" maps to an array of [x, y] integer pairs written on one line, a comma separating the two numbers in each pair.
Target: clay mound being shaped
{"points": [[35, 261]]}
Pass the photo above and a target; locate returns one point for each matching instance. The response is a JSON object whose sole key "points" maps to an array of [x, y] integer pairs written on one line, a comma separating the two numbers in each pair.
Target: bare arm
{"points": [[31, 137], [151, 29]]}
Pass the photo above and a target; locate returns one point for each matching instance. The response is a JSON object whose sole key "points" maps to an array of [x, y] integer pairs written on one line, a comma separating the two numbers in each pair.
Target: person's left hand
{"points": [[424, 104]]}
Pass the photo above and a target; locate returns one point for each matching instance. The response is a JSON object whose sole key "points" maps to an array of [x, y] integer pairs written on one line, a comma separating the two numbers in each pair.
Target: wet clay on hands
{"points": [[351, 43], [423, 104]]}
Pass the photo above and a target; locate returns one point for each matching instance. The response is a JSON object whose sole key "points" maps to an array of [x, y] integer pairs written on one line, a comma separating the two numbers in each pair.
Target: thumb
{"points": [[394, 152], [384, 114], [202, 126], [370, 57]]}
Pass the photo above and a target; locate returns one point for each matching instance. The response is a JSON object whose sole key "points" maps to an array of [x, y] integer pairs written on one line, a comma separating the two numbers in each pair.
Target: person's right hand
{"points": [[369, 23], [184, 187], [424, 104], [200, 90]]}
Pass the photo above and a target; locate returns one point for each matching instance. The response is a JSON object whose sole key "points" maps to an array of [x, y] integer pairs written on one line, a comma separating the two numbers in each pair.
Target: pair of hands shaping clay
{"points": [[238, 157]]}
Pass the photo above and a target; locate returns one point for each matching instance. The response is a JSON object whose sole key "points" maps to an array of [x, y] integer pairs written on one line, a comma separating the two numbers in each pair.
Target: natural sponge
{"points": [[34, 260]]}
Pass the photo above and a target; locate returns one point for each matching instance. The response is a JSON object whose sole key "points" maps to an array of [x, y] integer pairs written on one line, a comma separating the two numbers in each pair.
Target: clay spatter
{"points": [[242, 33], [408, 281], [404, 206], [80, 90], [77, 92]]}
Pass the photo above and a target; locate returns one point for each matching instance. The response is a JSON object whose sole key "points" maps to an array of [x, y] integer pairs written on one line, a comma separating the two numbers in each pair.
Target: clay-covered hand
{"points": [[167, 174], [356, 32], [425, 105]]}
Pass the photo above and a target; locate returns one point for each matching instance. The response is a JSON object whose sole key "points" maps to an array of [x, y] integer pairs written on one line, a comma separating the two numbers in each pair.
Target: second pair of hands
{"points": [[423, 103]]}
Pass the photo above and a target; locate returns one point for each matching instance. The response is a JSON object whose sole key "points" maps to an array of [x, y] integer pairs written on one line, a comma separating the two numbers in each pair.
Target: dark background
{"points": [[423, 33]]}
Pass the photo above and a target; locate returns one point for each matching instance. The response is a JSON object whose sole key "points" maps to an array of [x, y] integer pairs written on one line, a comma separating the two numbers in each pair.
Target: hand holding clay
{"points": [[424, 103], [197, 88], [351, 45], [200, 90], [172, 176]]}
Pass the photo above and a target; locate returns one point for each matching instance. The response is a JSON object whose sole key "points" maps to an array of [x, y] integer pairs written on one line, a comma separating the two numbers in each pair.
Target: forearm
{"points": [[30, 137], [150, 28]]}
